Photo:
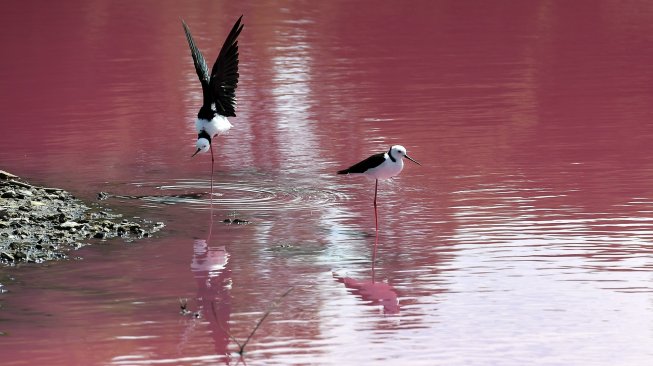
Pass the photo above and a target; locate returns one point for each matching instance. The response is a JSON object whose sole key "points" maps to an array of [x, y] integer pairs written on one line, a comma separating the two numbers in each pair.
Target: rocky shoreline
{"points": [[39, 224]]}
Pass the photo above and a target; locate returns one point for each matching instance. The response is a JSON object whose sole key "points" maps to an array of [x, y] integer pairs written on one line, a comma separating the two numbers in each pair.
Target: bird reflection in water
{"points": [[213, 277], [373, 292]]}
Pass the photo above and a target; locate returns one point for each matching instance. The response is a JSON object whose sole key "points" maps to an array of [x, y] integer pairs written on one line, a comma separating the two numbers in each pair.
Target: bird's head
{"points": [[399, 152], [203, 144]]}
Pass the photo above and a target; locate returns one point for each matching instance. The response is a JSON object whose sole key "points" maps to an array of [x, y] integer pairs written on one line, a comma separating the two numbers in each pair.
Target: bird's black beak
{"points": [[411, 159], [198, 150]]}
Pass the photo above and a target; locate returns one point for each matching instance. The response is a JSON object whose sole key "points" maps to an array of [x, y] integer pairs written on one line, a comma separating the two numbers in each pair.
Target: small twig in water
{"points": [[183, 305], [258, 324], [215, 314], [271, 308]]}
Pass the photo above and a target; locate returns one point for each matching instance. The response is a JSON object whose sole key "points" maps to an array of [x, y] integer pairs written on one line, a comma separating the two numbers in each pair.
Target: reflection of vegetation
{"points": [[183, 305], [292, 249], [241, 347]]}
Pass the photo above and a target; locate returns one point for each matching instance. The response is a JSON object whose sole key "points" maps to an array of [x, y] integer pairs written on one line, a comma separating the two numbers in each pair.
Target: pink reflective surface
{"points": [[524, 237]]}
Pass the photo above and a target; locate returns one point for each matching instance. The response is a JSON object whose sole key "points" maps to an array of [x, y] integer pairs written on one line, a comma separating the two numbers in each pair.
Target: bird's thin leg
{"points": [[376, 218], [376, 224], [212, 160]]}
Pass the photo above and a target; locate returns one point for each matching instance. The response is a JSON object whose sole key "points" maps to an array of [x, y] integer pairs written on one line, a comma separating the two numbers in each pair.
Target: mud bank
{"points": [[38, 224]]}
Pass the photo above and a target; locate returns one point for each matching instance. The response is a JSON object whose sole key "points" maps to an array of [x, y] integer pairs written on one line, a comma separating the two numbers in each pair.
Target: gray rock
{"points": [[9, 194], [69, 225], [39, 224], [6, 175]]}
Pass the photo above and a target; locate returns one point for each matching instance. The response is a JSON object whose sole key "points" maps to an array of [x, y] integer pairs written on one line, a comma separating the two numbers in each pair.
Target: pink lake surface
{"points": [[525, 238]]}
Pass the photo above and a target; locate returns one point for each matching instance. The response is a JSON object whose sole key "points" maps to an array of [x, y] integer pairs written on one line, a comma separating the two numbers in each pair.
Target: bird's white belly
{"points": [[386, 170], [217, 126]]}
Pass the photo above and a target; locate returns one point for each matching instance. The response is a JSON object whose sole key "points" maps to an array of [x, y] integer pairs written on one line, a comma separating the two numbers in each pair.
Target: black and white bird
{"points": [[383, 165], [218, 89]]}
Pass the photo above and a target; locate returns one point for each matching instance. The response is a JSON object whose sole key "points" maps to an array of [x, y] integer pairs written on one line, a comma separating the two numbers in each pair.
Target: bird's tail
{"points": [[344, 171]]}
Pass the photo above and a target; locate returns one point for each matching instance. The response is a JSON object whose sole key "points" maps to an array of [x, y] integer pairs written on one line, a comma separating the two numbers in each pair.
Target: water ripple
{"points": [[241, 196]]}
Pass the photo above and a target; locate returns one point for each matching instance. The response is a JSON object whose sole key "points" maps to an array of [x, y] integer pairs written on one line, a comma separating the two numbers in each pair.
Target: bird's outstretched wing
{"points": [[361, 167], [224, 74], [200, 65]]}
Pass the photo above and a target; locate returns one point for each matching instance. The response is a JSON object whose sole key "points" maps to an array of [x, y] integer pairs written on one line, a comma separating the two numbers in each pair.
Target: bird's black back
{"points": [[363, 166]]}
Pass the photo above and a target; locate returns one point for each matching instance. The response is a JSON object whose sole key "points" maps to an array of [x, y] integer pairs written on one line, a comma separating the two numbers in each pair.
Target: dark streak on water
{"points": [[525, 237]]}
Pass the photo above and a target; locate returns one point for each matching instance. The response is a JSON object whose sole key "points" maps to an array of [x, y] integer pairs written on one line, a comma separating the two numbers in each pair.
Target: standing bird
{"points": [[383, 165], [218, 89]]}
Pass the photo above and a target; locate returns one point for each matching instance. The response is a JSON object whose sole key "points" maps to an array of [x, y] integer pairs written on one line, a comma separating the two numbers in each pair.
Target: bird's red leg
{"points": [[376, 224], [376, 218], [212, 160]]}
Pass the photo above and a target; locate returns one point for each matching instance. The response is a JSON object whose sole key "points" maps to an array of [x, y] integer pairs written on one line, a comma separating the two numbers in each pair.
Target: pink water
{"points": [[524, 239]]}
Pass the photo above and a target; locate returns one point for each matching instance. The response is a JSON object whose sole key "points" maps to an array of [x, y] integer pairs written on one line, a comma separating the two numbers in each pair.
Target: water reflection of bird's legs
{"points": [[376, 242]]}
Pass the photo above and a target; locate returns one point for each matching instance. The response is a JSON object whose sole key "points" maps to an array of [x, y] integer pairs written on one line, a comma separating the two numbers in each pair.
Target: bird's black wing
{"points": [[200, 65], [371, 162], [224, 74]]}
